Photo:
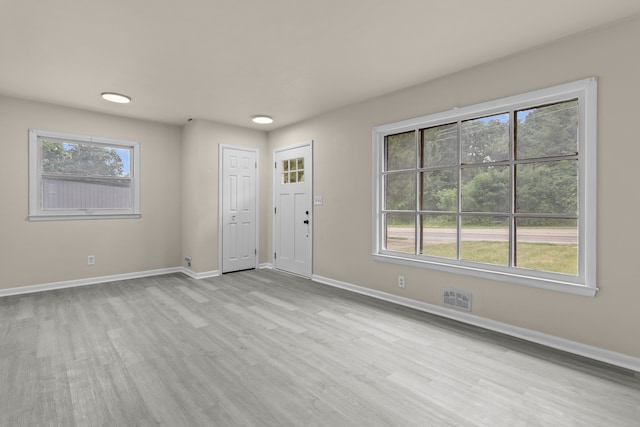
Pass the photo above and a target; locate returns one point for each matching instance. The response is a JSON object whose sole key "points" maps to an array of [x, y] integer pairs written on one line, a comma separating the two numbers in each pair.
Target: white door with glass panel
{"points": [[239, 238], [292, 209]]}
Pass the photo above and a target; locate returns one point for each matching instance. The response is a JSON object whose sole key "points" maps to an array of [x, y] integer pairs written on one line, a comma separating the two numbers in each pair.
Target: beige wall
{"points": [[343, 168], [201, 139], [51, 251]]}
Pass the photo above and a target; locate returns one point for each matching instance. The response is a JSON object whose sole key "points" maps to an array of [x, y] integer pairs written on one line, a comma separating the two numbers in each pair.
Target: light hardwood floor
{"points": [[261, 348]]}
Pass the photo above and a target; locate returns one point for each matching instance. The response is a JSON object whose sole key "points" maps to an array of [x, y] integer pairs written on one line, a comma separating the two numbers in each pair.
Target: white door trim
{"points": [[309, 176], [221, 148]]}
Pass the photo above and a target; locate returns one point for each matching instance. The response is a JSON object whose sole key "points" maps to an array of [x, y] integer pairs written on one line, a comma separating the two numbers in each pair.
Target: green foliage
{"points": [[546, 131], [401, 220], [486, 189], [549, 187], [436, 185], [447, 199], [400, 151], [485, 140], [400, 191], [80, 159], [440, 145]]}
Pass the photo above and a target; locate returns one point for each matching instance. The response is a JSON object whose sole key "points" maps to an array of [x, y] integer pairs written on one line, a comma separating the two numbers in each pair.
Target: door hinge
{"points": [[275, 165], [256, 165], [255, 252], [275, 255], [275, 210]]}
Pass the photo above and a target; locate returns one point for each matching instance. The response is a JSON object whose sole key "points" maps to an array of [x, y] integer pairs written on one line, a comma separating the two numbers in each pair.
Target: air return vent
{"points": [[457, 298]]}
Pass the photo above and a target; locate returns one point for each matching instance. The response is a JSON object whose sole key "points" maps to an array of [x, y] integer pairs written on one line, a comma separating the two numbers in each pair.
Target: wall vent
{"points": [[457, 298]]}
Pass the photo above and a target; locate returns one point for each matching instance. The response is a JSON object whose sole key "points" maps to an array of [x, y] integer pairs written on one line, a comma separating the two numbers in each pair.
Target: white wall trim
{"points": [[265, 265], [197, 276], [596, 353], [88, 281], [105, 279]]}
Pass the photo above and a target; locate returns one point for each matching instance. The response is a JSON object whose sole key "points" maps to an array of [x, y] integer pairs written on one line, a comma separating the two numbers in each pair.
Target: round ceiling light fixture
{"points": [[115, 97], [262, 119]]}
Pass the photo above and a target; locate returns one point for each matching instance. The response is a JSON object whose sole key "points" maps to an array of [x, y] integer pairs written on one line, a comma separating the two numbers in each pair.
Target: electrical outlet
{"points": [[187, 260], [91, 260], [401, 282]]}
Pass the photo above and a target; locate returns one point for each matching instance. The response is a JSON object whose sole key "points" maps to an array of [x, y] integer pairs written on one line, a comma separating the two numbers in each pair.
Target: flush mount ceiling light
{"points": [[115, 97], [261, 119]]}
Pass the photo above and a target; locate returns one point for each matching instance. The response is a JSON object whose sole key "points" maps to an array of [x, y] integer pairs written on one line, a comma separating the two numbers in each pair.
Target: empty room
{"points": [[290, 213]]}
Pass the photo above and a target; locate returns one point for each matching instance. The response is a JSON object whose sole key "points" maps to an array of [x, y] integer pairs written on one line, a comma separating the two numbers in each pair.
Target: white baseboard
{"points": [[591, 352], [265, 265], [88, 281], [204, 275]]}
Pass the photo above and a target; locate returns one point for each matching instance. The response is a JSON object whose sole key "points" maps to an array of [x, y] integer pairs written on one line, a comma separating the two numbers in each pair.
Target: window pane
{"points": [[547, 244], [485, 140], [440, 236], [547, 131], [440, 146], [440, 190], [84, 159], [400, 151], [78, 175], [400, 192], [301, 163], [485, 189], [285, 165], [400, 233], [547, 187], [300, 176], [485, 239], [292, 177], [88, 193]]}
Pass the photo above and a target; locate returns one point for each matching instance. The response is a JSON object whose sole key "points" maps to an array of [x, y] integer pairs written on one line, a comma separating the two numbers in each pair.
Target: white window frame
{"points": [[37, 213], [584, 283]]}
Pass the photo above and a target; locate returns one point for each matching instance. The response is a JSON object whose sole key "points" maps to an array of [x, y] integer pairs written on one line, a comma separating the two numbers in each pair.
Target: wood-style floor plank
{"points": [[262, 348]]}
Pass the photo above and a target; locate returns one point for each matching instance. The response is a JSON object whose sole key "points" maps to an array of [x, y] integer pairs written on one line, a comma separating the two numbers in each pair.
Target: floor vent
{"points": [[457, 298]]}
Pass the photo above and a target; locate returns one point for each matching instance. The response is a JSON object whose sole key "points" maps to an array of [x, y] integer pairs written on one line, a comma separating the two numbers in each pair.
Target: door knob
{"points": [[306, 221]]}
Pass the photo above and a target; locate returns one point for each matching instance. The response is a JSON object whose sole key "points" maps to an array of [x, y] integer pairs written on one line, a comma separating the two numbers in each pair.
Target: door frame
{"points": [[221, 148], [309, 174]]}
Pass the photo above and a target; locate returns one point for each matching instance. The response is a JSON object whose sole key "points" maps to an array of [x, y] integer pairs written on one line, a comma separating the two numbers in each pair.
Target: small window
{"points": [[82, 177], [293, 171], [503, 189]]}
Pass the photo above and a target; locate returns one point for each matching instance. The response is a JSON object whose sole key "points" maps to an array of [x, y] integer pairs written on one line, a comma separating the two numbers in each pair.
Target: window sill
{"points": [[36, 218], [518, 279]]}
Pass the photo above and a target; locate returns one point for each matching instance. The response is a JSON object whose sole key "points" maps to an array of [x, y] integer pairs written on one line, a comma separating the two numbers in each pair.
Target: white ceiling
{"points": [[226, 60]]}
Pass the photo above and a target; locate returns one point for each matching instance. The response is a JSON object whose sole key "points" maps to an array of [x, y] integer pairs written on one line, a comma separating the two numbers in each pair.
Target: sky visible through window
{"points": [[125, 156]]}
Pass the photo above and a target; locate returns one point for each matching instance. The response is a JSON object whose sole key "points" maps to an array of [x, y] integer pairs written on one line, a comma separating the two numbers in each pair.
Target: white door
{"points": [[292, 190], [239, 238]]}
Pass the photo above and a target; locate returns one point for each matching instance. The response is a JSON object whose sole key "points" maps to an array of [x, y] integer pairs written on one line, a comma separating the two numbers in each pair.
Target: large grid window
{"points": [[504, 189], [78, 177]]}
